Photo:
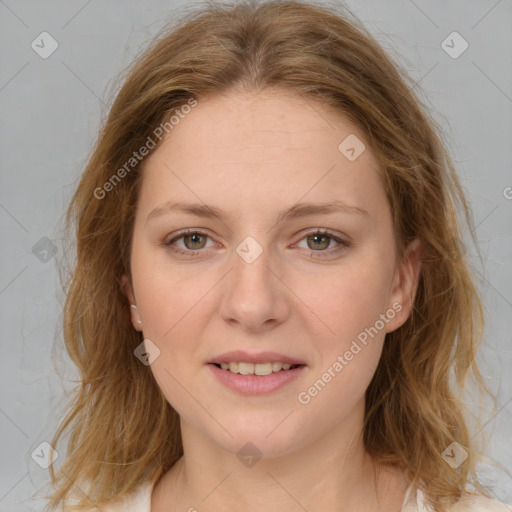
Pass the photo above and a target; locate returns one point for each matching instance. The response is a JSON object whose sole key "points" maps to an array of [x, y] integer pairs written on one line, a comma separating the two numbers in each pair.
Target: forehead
{"points": [[279, 121], [260, 150]]}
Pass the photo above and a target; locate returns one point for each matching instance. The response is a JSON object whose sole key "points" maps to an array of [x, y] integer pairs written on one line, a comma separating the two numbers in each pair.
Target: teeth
{"points": [[263, 368], [246, 368], [255, 369]]}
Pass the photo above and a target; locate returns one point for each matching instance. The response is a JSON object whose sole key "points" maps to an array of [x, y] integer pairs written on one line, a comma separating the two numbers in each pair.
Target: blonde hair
{"points": [[122, 430]]}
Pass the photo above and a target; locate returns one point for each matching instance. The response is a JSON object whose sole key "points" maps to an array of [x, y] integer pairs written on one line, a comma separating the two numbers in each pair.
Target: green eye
{"points": [[193, 241], [318, 243]]}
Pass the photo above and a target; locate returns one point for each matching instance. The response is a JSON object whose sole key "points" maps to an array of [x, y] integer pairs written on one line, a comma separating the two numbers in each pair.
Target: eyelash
{"points": [[342, 244]]}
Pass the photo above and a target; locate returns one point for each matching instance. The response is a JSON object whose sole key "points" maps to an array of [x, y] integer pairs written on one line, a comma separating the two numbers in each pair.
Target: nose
{"points": [[254, 296]]}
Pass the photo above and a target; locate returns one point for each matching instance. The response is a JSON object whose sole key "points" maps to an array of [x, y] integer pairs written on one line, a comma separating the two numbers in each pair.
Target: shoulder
{"points": [[137, 501], [468, 503], [477, 503]]}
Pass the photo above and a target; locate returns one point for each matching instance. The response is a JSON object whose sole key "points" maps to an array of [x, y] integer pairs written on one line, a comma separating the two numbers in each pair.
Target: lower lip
{"points": [[256, 384]]}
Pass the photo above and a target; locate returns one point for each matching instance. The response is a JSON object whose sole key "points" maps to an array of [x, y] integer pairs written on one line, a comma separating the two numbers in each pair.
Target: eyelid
{"points": [[322, 231], [180, 234], [342, 243], [188, 231]]}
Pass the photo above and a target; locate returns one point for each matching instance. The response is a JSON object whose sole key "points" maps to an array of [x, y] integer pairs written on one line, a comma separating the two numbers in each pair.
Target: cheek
{"points": [[350, 345], [168, 297], [337, 394], [175, 310], [348, 330], [346, 301]]}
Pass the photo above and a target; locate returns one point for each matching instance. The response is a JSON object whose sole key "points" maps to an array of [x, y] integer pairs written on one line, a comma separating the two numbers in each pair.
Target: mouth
{"points": [[250, 373], [262, 378], [256, 369]]}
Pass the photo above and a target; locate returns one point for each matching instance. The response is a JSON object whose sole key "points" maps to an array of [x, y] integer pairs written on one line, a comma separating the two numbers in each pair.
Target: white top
{"points": [[140, 501]]}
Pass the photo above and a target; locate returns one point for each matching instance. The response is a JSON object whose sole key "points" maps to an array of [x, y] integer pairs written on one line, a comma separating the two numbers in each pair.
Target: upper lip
{"points": [[241, 356]]}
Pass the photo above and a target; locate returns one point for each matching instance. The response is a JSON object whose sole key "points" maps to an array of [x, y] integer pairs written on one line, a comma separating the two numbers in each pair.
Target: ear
{"points": [[127, 288], [405, 284]]}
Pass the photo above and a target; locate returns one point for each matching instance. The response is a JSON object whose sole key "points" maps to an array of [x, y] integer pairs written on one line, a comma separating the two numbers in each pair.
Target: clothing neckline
{"points": [[419, 502], [406, 497]]}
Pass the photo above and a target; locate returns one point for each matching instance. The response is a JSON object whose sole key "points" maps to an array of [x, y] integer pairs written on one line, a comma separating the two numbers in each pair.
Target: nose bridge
{"points": [[254, 296]]}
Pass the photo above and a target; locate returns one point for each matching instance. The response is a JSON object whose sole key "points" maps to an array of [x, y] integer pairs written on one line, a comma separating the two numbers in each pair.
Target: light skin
{"points": [[254, 155]]}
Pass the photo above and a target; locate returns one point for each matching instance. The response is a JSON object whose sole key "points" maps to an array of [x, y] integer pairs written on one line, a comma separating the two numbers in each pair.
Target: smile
{"points": [[256, 378], [256, 368]]}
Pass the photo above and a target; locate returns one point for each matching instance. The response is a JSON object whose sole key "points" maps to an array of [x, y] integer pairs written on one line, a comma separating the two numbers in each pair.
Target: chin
{"points": [[269, 438]]}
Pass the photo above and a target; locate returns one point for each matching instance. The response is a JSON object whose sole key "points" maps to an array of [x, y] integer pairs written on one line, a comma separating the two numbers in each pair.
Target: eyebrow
{"points": [[295, 212]]}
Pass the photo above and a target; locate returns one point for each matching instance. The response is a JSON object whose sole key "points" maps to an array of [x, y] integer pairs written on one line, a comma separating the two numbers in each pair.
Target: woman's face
{"points": [[267, 270]]}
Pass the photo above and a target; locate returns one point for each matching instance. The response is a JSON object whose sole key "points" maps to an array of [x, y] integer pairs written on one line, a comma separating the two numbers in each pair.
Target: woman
{"points": [[270, 295]]}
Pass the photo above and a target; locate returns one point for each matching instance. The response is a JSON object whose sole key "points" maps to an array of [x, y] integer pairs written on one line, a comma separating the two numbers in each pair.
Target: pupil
{"points": [[195, 238], [318, 241]]}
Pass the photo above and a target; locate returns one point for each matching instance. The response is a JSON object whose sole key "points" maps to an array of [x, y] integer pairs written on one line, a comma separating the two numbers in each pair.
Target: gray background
{"points": [[50, 113]]}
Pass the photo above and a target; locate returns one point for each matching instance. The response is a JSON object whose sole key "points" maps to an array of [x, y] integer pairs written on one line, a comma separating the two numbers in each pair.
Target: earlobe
{"points": [[405, 284], [136, 315], [127, 287]]}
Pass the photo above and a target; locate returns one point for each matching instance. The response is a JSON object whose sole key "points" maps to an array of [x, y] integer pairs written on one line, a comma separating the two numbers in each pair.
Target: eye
{"points": [[192, 241], [322, 243], [321, 240]]}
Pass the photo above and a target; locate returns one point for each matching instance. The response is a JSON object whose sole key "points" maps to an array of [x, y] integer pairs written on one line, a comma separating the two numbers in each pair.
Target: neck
{"points": [[328, 475]]}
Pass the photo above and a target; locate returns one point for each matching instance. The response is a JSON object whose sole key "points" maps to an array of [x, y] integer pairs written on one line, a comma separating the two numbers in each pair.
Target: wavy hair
{"points": [[122, 431]]}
